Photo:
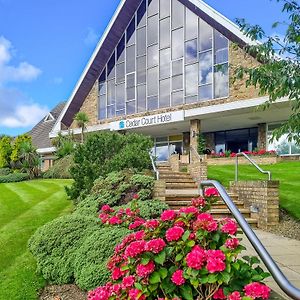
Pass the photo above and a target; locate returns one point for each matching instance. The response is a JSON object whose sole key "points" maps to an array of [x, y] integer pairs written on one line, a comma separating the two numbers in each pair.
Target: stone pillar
{"points": [[195, 127], [262, 136], [159, 190], [262, 197], [174, 162]]}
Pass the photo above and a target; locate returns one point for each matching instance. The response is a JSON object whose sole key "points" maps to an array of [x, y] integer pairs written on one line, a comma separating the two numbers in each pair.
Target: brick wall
{"points": [[262, 136], [159, 191], [263, 160], [262, 196], [197, 168], [174, 162]]}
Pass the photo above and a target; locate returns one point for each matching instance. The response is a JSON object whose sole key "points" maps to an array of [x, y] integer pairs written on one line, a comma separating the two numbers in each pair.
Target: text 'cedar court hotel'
{"points": [[164, 68]]}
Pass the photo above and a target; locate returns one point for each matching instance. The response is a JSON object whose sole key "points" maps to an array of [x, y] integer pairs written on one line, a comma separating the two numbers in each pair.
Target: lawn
{"points": [[287, 172], [24, 207]]}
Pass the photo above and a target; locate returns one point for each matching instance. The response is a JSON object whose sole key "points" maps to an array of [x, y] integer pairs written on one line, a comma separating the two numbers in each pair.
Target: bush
{"points": [[119, 188], [60, 169], [15, 177], [91, 258], [55, 244], [5, 171], [107, 152], [88, 207]]}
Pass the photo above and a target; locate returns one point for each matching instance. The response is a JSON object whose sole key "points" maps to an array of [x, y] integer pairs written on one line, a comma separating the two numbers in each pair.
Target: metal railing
{"points": [[193, 150], [252, 162], [272, 267], [154, 166]]}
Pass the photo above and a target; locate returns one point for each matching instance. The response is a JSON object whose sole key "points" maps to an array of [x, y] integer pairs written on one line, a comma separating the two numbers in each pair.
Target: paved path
{"points": [[285, 252]]}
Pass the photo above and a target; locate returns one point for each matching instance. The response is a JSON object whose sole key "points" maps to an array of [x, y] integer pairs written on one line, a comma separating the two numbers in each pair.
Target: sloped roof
{"points": [[113, 34], [40, 132]]}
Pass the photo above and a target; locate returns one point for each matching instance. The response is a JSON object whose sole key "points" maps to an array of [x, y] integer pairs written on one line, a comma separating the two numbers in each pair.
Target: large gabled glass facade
{"points": [[167, 56]]}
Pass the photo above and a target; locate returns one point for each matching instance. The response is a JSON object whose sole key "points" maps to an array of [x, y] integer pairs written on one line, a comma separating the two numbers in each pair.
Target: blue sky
{"points": [[45, 45]]}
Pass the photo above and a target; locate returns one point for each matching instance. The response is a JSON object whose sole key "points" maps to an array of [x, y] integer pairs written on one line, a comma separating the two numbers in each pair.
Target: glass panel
{"points": [[102, 113], [295, 148], [205, 36], [221, 56], [205, 66], [177, 14], [164, 93], [120, 96], [165, 36], [111, 67], [177, 98], [164, 8], [220, 40], [141, 41], [130, 82], [111, 92], [111, 111], [191, 25], [191, 99], [162, 139], [130, 107], [102, 88], [141, 69], [121, 50], [152, 103], [141, 14], [130, 93], [205, 92], [152, 30], [120, 73], [153, 7], [191, 51], [162, 152], [102, 77], [164, 63], [175, 138], [152, 56], [177, 67], [120, 112], [176, 148], [141, 98], [152, 81], [221, 81], [177, 43], [191, 80], [130, 33], [130, 59], [102, 107], [177, 82]]}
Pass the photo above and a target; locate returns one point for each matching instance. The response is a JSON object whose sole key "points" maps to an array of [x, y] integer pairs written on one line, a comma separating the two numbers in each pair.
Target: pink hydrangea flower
{"points": [[189, 210], [135, 248], [155, 245], [198, 202], [232, 243], [215, 261], [114, 221], [235, 296], [168, 215], [206, 222], [135, 196], [128, 281], [136, 224], [106, 208], [211, 192], [174, 233], [229, 227], [177, 277], [196, 258], [152, 224], [257, 290], [135, 294], [145, 270], [219, 294], [139, 235], [116, 274]]}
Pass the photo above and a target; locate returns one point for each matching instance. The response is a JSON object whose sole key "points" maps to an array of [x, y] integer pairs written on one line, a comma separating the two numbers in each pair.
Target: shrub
{"points": [[120, 187], [88, 207], [106, 152], [184, 255], [91, 258], [5, 151], [60, 169], [5, 171], [14, 177], [55, 244], [17, 146]]}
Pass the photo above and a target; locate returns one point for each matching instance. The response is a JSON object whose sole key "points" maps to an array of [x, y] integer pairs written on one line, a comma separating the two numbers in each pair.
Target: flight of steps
{"points": [[181, 188]]}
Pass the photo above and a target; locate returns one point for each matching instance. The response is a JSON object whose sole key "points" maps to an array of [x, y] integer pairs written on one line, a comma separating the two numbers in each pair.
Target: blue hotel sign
{"points": [[148, 121]]}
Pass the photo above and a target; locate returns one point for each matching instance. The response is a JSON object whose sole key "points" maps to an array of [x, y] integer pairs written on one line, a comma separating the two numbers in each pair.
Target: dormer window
{"points": [[49, 117]]}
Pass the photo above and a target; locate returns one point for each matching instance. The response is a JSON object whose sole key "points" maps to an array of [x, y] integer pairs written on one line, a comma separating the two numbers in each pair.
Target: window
{"points": [[120, 97], [121, 50], [191, 80], [191, 25], [191, 51], [177, 98], [152, 103], [221, 81], [130, 86], [177, 43], [141, 69], [205, 36], [141, 41], [164, 93], [153, 7], [164, 8], [177, 67], [164, 33], [152, 30], [153, 81], [152, 56], [164, 63], [141, 98], [177, 14], [120, 73], [130, 33], [141, 14], [130, 59]]}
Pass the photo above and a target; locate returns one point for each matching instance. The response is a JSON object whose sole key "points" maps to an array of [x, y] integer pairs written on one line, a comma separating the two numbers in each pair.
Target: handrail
{"points": [[196, 152], [154, 166], [277, 274], [252, 162]]}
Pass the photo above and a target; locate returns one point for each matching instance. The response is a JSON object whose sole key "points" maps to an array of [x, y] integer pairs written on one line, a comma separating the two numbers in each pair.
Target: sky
{"points": [[45, 46]]}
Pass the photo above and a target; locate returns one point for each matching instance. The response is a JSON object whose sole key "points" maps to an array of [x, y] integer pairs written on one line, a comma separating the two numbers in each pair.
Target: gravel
{"points": [[62, 292]]}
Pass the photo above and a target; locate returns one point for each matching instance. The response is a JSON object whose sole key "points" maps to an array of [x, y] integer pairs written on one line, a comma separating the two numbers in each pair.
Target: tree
{"points": [[29, 159], [16, 147], [81, 119], [65, 144], [201, 144], [5, 151], [278, 75]]}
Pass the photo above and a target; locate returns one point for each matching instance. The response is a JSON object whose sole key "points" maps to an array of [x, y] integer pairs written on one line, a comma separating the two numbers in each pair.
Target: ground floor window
{"points": [[166, 146], [236, 140], [282, 146]]}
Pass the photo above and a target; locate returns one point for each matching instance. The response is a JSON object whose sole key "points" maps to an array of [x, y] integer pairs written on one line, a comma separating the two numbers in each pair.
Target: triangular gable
{"points": [[114, 33]]}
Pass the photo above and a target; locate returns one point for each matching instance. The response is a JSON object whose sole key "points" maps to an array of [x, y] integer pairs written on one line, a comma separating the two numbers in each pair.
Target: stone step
{"points": [[180, 180], [181, 185], [225, 213]]}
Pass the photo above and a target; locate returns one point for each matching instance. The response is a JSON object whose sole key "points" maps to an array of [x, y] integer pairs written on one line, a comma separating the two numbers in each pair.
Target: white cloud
{"points": [[17, 111], [91, 38], [10, 73]]}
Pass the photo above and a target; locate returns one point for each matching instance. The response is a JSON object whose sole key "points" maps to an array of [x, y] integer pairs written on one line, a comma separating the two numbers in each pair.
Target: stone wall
{"points": [[197, 168], [260, 160], [159, 191], [174, 162], [262, 197], [262, 136]]}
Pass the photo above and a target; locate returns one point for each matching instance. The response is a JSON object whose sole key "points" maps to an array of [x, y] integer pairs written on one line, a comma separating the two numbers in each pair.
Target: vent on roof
{"points": [[49, 117]]}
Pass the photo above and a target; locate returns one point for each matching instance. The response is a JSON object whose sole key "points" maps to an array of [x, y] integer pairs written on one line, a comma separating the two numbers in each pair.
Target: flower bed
{"points": [[182, 255]]}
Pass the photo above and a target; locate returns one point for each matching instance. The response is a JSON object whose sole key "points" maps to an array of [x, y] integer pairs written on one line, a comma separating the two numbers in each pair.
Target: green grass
{"points": [[24, 207], [287, 172]]}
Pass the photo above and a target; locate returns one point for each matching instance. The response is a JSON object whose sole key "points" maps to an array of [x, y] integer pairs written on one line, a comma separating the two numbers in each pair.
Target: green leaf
{"points": [[226, 277], [186, 292], [160, 258], [145, 260], [154, 278], [254, 260], [195, 282], [212, 278], [257, 278], [163, 273], [190, 243], [138, 286], [186, 235], [179, 257]]}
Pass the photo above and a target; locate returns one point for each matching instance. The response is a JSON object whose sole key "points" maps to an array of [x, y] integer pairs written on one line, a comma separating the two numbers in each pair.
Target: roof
{"points": [[40, 132], [113, 34]]}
